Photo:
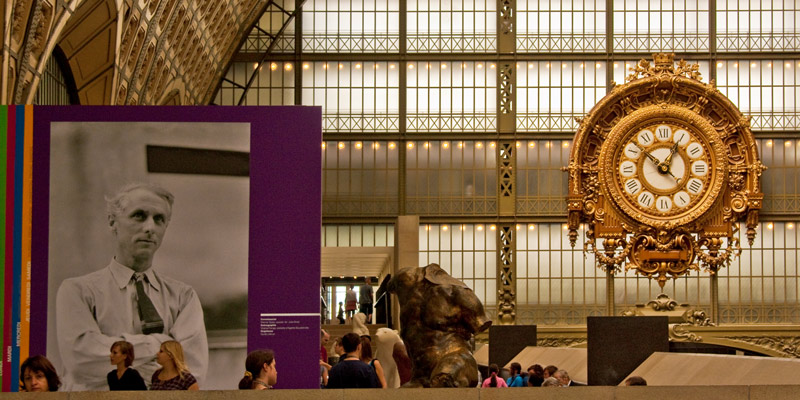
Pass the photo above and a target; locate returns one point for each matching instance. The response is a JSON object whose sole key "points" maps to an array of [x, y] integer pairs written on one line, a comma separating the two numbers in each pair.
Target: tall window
{"points": [[355, 96], [561, 26], [452, 96], [449, 26], [54, 88]]}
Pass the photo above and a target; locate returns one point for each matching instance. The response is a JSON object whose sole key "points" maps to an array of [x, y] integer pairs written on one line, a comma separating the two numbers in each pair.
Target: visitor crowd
{"points": [[355, 368]]}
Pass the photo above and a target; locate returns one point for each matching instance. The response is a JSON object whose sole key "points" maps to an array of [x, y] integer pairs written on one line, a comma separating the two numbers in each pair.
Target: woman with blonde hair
{"points": [[259, 371], [173, 374], [124, 377]]}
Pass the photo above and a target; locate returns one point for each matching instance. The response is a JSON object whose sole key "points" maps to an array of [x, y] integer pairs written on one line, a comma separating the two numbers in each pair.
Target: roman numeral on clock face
{"points": [[645, 138], [663, 203], [663, 132], [631, 151], [681, 137], [694, 186], [645, 199], [694, 150], [699, 168], [682, 198], [627, 168], [633, 186]]}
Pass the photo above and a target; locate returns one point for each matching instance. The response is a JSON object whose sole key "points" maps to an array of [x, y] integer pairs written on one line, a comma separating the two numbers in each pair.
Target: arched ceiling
{"points": [[124, 51]]}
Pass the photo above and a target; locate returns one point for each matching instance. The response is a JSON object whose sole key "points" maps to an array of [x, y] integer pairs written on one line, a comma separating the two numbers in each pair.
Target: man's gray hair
{"points": [[562, 374], [114, 203], [551, 381]]}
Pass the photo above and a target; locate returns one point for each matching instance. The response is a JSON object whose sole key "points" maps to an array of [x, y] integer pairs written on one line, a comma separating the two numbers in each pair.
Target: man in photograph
{"points": [[128, 299]]}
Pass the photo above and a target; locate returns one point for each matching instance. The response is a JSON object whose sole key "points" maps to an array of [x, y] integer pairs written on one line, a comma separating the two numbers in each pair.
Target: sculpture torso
{"points": [[438, 321]]}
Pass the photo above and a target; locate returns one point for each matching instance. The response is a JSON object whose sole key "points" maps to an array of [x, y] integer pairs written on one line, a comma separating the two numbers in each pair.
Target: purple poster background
{"points": [[285, 220]]}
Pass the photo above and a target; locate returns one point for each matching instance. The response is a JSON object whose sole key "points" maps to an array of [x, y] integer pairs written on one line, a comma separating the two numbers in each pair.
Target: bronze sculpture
{"points": [[439, 315]]}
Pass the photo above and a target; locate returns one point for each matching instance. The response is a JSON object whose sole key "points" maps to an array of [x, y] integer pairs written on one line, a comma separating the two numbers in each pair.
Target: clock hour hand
{"points": [[664, 167], [650, 156]]}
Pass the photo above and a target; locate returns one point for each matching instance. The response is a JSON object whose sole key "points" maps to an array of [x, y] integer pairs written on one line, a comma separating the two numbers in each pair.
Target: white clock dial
{"points": [[632, 152], [694, 186], [662, 171], [627, 168], [663, 203], [632, 186], [694, 150], [663, 133], [645, 137], [645, 199], [681, 136], [699, 168], [664, 181]]}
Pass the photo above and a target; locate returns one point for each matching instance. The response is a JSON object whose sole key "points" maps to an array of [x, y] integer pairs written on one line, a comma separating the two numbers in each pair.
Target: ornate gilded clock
{"points": [[662, 170]]}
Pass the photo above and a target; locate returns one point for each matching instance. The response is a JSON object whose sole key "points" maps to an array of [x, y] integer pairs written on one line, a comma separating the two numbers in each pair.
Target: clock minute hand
{"points": [[678, 180], [650, 156]]}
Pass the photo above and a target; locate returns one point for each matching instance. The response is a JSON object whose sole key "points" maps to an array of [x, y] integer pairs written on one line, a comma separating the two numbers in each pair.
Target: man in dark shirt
{"points": [[365, 299], [351, 372]]}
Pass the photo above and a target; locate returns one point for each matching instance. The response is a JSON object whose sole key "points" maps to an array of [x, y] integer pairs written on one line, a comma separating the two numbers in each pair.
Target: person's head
{"points": [[351, 342], [549, 371], [138, 215], [340, 304], [562, 377], [37, 374], [122, 352], [171, 354], [551, 381], [536, 370], [260, 364], [635, 381], [324, 337], [516, 368], [366, 349], [493, 371], [367, 280], [337, 346]]}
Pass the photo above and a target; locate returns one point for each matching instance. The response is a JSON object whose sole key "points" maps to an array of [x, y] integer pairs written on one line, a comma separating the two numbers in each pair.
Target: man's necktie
{"points": [[151, 321]]}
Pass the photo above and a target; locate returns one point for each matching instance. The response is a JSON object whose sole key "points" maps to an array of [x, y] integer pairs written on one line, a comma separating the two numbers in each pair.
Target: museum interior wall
{"points": [[460, 112]]}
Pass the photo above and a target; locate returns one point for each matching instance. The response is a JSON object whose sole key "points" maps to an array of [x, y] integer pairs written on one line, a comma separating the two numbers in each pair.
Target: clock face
{"points": [[663, 166], [663, 169]]}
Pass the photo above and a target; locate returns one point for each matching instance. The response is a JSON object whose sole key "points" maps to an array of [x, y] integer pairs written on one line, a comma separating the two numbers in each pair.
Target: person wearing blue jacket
{"points": [[516, 379]]}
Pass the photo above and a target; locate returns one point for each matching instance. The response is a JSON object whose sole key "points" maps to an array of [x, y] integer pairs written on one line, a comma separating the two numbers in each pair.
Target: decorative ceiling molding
{"points": [[125, 51]]}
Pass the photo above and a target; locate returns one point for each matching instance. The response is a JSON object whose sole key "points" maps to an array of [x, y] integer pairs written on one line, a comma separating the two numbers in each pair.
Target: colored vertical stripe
{"points": [[8, 251], [19, 151], [25, 265], [4, 121]]}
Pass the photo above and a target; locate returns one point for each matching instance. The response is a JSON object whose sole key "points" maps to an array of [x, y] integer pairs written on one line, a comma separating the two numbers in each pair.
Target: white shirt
{"points": [[95, 310]]}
